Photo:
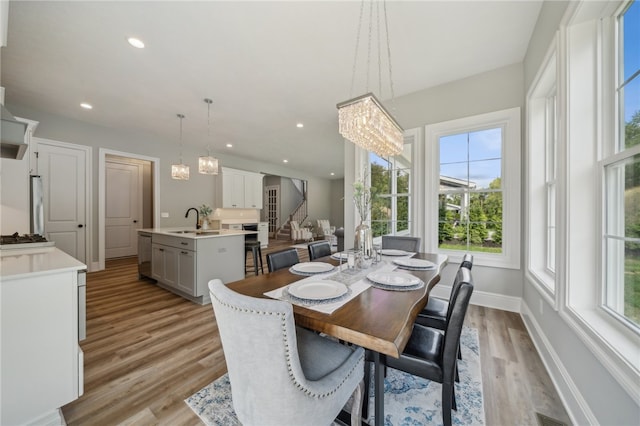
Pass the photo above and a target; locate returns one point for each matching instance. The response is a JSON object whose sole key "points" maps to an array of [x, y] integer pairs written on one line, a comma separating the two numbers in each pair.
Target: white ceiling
{"points": [[266, 65]]}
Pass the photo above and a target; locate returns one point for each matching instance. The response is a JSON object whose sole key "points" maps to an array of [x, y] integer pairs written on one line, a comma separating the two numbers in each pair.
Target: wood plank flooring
{"points": [[147, 350]]}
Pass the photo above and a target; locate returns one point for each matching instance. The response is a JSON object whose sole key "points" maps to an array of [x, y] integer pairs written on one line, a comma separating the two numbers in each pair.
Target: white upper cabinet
{"points": [[241, 189]]}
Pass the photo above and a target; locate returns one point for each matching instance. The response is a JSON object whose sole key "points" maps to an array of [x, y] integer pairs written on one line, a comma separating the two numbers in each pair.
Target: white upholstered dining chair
{"points": [[281, 374]]}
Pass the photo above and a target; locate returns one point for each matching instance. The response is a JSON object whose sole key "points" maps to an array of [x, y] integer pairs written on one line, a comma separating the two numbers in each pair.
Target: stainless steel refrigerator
{"points": [[36, 210]]}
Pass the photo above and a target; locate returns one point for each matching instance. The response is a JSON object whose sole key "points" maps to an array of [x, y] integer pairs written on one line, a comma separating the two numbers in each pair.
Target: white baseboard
{"points": [[577, 408], [52, 418], [483, 298], [95, 266]]}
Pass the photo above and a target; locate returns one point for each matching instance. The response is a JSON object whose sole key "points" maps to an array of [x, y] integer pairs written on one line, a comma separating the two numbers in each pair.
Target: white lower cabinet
{"points": [[186, 265]]}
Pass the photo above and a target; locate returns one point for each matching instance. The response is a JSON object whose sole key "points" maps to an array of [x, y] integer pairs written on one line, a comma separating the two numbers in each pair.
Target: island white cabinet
{"points": [[241, 189], [185, 265]]}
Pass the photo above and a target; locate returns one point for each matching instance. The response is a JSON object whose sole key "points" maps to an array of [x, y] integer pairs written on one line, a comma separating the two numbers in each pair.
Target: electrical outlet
{"points": [[164, 214]]}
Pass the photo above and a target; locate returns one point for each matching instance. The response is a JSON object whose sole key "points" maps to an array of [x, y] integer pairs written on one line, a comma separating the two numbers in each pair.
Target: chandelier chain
{"points": [[355, 53], [208, 101], [180, 116], [369, 44], [386, 25], [379, 49]]}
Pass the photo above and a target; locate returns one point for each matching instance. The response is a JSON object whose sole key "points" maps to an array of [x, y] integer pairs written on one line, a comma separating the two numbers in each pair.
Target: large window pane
{"points": [[623, 238], [470, 219]]}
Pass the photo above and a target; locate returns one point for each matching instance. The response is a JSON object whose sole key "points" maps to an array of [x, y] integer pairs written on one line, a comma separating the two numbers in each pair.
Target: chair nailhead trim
{"points": [[282, 315]]}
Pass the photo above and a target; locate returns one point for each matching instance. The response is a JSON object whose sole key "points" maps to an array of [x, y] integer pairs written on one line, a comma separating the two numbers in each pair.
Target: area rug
{"points": [[303, 246], [408, 400]]}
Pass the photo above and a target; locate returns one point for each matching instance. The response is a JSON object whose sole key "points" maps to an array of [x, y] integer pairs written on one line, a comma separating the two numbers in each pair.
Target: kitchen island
{"points": [[42, 362], [183, 261]]}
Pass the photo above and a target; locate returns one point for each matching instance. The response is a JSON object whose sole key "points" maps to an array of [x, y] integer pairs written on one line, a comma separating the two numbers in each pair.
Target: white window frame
{"points": [[588, 46], [541, 190], [509, 121]]}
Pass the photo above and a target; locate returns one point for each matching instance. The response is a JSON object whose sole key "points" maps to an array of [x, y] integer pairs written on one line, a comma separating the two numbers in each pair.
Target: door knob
{"points": [[80, 225], [135, 221]]}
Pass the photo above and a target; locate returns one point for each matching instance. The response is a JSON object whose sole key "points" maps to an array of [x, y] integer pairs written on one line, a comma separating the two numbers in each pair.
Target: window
{"points": [[542, 141], [391, 182], [470, 194], [472, 200], [622, 179]]}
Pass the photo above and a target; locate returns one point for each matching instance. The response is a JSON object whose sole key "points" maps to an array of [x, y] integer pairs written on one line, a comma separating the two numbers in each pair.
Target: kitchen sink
{"points": [[184, 232]]}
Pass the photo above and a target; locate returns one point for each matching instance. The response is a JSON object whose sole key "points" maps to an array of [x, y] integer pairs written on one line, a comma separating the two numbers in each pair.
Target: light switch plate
{"points": [[164, 214]]}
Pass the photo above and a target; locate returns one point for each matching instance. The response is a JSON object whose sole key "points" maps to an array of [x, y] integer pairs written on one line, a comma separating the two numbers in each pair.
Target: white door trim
{"points": [[88, 192], [155, 166]]}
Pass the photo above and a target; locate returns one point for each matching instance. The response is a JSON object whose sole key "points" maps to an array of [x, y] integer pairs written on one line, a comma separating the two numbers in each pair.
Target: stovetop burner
{"points": [[22, 239]]}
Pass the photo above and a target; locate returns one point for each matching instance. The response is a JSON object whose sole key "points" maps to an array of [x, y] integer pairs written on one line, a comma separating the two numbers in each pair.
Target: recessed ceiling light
{"points": [[229, 145], [136, 42], [333, 174], [285, 161], [299, 125], [86, 105]]}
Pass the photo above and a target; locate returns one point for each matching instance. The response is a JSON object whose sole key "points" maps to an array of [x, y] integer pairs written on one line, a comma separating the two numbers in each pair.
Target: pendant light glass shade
{"points": [[208, 165], [180, 171]]}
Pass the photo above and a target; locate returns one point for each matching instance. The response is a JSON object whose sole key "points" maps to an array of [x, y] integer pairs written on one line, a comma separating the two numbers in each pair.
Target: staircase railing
{"points": [[300, 213]]}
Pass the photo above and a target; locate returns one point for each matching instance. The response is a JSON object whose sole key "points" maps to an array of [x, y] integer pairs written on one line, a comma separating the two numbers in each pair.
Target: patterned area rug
{"points": [[408, 400]]}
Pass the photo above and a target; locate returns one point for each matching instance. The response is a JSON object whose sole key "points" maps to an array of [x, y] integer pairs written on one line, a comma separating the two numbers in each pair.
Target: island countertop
{"points": [[196, 234]]}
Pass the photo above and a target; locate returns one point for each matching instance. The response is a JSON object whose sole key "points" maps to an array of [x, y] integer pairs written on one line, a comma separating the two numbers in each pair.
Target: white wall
{"points": [[175, 196]]}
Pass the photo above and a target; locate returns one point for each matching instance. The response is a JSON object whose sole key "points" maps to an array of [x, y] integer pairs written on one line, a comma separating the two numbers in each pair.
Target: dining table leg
{"points": [[378, 380]]}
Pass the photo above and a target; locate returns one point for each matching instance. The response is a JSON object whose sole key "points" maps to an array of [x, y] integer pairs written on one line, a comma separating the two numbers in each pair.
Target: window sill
{"points": [[544, 282], [615, 346], [481, 259]]}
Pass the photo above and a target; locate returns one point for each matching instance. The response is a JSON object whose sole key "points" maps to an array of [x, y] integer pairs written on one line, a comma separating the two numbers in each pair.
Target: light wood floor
{"points": [[147, 350]]}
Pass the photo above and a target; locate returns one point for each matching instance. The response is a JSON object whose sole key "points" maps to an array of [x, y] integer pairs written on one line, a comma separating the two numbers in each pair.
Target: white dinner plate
{"points": [[312, 267], [394, 252], [317, 290], [340, 255], [415, 263], [397, 279]]}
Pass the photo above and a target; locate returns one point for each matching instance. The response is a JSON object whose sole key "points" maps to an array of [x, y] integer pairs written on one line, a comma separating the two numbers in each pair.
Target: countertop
{"points": [[19, 263], [193, 234]]}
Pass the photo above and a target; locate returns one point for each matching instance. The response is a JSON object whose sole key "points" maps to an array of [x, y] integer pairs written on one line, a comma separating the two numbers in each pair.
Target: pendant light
{"points": [[363, 120], [208, 165], [180, 171]]}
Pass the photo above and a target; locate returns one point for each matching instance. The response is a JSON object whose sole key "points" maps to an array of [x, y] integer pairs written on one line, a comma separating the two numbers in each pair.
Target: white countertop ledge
{"points": [[193, 234], [20, 263]]}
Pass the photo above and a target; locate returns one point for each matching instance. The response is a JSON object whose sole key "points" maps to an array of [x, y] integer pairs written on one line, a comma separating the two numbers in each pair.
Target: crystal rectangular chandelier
{"points": [[366, 123], [363, 120]]}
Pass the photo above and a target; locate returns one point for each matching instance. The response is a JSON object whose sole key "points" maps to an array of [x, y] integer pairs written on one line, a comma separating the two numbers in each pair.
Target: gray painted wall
{"points": [[175, 196]]}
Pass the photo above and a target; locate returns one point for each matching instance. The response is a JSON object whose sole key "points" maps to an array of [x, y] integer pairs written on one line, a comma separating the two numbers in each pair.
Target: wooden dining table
{"points": [[376, 319]]}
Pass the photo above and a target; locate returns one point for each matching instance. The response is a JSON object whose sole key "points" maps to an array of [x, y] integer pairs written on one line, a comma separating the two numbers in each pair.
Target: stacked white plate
{"points": [[416, 264], [311, 268], [394, 252], [317, 290], [395, 280], [340, 255]]}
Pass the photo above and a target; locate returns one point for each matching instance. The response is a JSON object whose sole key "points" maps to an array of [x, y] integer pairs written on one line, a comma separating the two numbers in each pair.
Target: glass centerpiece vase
{"points": [[363, 238]]}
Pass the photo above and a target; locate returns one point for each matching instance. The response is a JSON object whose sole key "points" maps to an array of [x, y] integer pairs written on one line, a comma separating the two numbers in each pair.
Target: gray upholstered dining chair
{"points": [[433, 355], [282, 259], [281, 374], [411, 244], [319, 249]]}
